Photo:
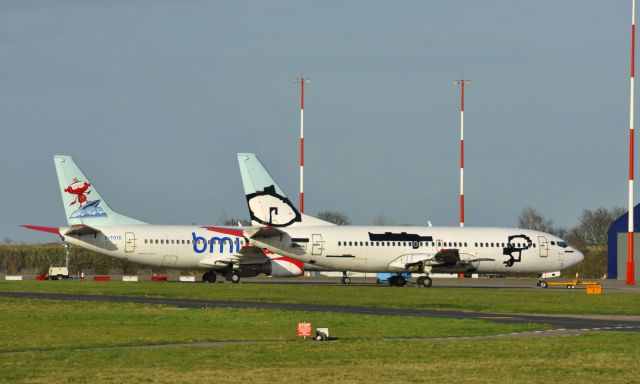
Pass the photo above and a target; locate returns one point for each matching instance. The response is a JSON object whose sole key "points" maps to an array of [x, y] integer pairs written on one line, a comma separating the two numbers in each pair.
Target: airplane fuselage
{"points": [[180, 247], [398, 249]]}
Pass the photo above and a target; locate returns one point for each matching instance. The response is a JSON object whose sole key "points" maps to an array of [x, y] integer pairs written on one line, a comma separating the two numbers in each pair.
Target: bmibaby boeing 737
{"points": [[93, 225]]}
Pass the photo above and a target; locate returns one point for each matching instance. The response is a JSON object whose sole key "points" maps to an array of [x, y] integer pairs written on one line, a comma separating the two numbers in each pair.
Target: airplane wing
{"points": [[247, 255], [445, 258], [79, 229], [272, 239]]}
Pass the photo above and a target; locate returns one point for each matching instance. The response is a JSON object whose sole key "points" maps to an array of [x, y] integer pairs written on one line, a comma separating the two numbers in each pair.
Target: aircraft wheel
{"points": [[209, 277], [235, 278], [427, 281], [346, 280], [544, 284], [420, 281]]}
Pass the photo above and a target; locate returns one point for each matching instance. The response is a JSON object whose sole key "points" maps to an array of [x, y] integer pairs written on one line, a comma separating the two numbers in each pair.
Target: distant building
{"points": [[617, 246]]}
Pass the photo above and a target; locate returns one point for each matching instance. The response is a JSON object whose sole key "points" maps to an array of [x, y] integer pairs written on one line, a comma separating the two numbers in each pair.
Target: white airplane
{"points": [[93, 225], [281, 229]]}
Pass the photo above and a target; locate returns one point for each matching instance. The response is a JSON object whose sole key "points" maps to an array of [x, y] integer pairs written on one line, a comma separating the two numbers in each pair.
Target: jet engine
{"points": [[283, 267]]}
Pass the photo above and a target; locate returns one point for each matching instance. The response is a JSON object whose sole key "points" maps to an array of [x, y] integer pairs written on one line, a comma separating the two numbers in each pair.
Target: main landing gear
{"points": [[209, 277], [232, 275], [345, 279], [424, 281], [397, 281], [400, 281]]}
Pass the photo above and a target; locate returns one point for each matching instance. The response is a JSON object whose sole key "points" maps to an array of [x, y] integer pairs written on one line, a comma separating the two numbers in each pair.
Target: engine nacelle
{"points": [[283, 267]]}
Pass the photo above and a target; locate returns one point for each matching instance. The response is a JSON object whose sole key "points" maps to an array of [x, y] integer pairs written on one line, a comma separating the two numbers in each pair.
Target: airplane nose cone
{"points": [[578, 256]]}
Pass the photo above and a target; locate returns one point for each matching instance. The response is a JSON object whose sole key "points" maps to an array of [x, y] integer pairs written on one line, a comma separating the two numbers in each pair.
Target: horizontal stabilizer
{"points": [[82, 229]]}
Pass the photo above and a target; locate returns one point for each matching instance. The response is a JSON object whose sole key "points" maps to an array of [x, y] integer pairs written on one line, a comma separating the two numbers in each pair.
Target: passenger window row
{"points": [[400, 244], [440, 244], [173, 241]]}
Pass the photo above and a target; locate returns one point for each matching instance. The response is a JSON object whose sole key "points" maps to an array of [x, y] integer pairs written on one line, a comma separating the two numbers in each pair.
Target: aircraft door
{"points": [[544, 246], [129, 242], [317, 245]]}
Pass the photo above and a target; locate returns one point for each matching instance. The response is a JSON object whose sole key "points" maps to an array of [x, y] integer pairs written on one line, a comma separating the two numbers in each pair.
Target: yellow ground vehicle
{"points": [[569, 284]]}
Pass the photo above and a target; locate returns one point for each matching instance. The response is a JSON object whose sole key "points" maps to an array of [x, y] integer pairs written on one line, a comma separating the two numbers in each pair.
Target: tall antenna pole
{"points": [[302, 80], [630, 263], [461, 83]]}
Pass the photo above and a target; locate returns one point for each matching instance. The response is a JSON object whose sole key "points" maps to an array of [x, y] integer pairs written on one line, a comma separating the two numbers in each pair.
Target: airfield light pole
{"points": [[302, 80], [630, 263], [461, 83]]}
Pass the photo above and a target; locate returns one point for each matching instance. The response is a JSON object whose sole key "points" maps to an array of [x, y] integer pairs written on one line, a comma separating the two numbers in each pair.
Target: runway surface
{"points": [[481, 283], [560, 322]]}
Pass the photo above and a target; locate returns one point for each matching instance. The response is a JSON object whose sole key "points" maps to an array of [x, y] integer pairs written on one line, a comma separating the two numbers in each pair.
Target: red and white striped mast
{"points": [[302, 80], [630, 263], [461, 83]]}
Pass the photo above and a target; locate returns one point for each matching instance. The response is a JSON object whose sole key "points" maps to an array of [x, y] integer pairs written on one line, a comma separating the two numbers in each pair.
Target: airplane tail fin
{"points": [[82, 201], [268, 205]]}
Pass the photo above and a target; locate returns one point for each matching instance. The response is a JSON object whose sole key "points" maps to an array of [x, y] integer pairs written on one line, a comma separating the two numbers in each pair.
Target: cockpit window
{"points": [[562, 244]]}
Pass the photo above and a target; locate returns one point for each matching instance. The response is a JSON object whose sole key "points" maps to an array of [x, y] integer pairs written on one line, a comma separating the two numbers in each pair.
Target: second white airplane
{"points": [[282, 229]]}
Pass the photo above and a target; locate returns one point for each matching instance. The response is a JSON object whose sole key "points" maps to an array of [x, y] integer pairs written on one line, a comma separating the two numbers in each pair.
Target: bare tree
{"points": [[594, 225], [532, 219], [382, 220], [334, 217]]}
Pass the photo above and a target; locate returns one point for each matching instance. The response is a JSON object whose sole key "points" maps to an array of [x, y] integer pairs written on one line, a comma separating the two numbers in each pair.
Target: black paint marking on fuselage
{"points": [[413, 238], [511, 249], [402, 236]]}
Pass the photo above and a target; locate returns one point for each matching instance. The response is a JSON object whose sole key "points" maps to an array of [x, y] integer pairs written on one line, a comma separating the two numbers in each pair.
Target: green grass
{"points": [[487, 299], [595, 358], [94, 342], [32, 324]]}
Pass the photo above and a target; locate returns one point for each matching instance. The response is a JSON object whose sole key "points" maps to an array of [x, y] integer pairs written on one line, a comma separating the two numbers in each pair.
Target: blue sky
{"points": [[153, 99]]}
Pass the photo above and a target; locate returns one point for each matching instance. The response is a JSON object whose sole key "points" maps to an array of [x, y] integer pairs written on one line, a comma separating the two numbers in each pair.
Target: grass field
{"points": [[492, 300], [31, 324], [67, 341]]}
